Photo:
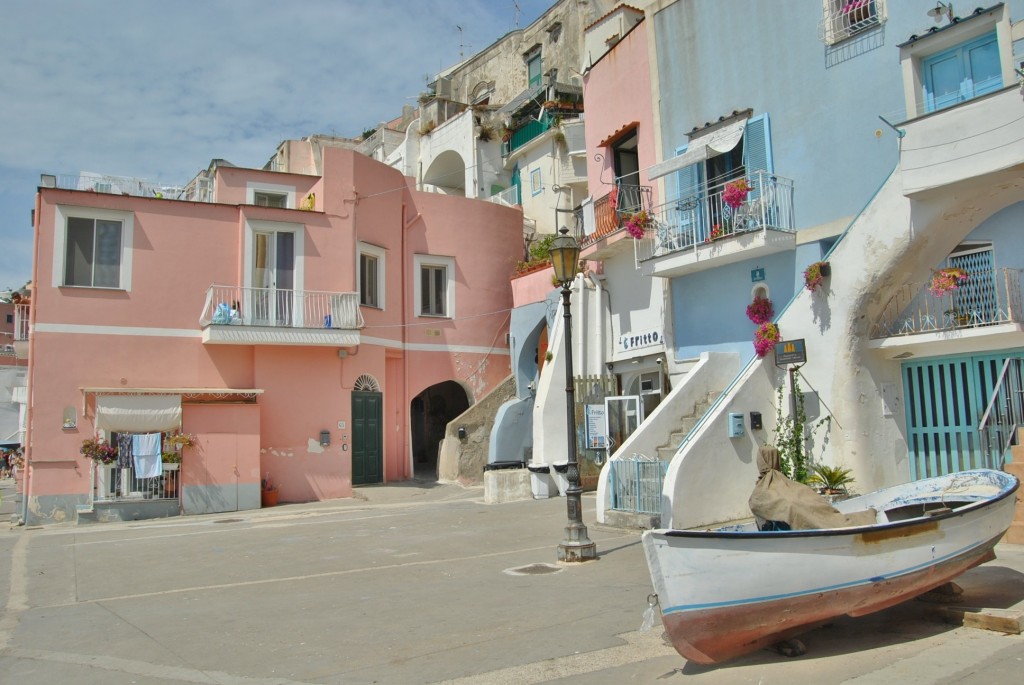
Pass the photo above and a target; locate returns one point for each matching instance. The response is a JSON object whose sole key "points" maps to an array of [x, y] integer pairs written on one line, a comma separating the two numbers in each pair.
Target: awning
{"points": [[721, 139], [138, 413], [518, 101]]}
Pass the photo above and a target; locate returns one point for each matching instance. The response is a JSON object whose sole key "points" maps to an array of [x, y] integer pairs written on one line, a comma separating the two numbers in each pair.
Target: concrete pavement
{"points": [[415, 583]]}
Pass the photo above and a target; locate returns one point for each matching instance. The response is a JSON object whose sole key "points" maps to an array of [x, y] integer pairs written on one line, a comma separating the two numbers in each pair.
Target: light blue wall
{"points": [[1004, 230], [711, 306], [716, 56], [824, 102]]}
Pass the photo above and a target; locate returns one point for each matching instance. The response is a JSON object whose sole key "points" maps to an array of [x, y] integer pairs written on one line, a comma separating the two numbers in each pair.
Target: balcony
{"points": [[522, 135], [234, 315], [702, 231], [963, 143], [988, 313], [605, 228]]}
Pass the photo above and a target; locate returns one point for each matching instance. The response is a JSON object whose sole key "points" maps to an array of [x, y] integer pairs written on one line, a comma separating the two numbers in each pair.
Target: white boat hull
{"points": [[728, 592]]}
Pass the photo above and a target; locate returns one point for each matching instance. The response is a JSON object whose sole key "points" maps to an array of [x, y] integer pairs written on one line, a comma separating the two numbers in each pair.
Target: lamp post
{"points": [[576, 546]]}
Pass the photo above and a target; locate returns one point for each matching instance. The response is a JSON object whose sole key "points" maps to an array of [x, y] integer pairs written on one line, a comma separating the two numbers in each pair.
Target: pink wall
{"points": [[149, 336], [617, 90]]}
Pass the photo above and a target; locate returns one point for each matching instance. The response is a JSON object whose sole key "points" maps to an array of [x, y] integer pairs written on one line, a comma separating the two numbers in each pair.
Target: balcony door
{"points": [[273, 278]]}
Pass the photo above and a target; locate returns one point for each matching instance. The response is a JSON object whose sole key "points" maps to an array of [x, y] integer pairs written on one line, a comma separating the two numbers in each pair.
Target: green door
{"points": [[367, 436], [944, 401]]}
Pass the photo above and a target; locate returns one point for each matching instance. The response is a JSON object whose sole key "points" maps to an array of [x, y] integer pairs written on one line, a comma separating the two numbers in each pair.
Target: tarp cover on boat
{"points": [[777, 498]]}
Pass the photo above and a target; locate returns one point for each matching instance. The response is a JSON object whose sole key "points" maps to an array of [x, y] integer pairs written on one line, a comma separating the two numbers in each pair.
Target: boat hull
{"points": [[727, 593]]}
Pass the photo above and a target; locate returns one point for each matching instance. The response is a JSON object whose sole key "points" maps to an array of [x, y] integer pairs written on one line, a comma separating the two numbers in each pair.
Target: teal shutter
{"points": [[757, 145], [687, 208]]}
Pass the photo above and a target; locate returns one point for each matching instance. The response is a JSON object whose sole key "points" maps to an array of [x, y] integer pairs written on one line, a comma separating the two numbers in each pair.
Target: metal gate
{"points": [[945, 399], [635, 483]]}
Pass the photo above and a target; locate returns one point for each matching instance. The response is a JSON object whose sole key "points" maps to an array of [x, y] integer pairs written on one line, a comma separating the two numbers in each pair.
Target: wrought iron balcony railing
{"points": [[985, 299], [690, 222], [228, 305]]}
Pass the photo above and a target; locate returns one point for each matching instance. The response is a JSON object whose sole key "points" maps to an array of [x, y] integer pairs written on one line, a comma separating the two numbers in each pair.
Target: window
{"points": [[533, 67], [845, 18], [626, 165], [93, 253], [270, 199], [371, 276], [957, 62], [270, 195], [962, 73], [435, 285], [10, 318]]}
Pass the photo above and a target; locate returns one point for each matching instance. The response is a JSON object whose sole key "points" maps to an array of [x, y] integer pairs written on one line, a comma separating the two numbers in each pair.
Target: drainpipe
{"points": [[599, 291]]}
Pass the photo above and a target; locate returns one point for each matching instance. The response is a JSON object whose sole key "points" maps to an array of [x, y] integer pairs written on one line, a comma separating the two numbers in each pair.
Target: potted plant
{"points": [[947, 280], [765, 338], [815, 274], [831, 479], [99, 450], [638, 223], [760, 311], [736, 192], [268, 492]]}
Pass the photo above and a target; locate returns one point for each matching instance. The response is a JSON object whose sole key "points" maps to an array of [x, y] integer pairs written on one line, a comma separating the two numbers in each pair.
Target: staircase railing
{"points": [[1004, 415]]}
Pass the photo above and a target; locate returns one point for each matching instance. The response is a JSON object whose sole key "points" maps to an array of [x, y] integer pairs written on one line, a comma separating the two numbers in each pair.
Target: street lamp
{"points": [[576, 546]]}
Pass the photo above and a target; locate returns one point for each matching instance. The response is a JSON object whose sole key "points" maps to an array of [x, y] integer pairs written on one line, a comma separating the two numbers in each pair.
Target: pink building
{"points": [[314, 331]]}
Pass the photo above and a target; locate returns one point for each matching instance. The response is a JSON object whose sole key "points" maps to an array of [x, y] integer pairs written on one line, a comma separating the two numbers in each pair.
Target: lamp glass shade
{"points": [[565, 256]]}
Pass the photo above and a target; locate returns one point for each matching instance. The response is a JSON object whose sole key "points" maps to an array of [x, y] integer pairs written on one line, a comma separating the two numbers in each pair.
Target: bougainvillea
{"points": [[736, 192], [765, 338]]}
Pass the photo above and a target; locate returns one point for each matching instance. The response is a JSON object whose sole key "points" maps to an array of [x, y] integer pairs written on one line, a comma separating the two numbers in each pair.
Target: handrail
{"points": [[1004, 415]]}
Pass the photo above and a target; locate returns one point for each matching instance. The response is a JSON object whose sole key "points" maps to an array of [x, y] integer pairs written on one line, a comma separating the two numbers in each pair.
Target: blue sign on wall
{"points": [[756, 275]]}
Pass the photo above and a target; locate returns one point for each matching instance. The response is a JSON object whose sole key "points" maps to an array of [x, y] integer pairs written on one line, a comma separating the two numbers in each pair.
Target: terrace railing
{"points": [[237, 306]]}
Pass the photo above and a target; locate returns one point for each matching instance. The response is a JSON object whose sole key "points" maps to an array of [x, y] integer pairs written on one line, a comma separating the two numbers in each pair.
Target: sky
{"points": [[155, 90]]}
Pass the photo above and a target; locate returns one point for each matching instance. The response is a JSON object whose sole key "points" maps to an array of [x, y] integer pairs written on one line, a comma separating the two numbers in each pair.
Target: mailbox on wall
{"points": [[735, 425]]}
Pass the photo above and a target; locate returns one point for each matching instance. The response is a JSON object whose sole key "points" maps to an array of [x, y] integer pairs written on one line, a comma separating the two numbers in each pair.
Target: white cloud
{"points": [[155, 91]]}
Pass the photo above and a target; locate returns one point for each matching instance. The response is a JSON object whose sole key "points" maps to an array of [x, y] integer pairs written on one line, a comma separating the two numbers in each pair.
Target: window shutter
{"points": [[757, 145], [688, 179]]}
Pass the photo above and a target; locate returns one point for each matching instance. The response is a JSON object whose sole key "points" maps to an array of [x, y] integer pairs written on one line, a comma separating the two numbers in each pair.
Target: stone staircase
{"points": [[686, 424], [1015, 535]]}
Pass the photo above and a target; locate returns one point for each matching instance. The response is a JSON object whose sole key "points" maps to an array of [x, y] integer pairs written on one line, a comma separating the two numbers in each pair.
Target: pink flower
{"points": [[736, 192], [760, 310], [947, 280]]}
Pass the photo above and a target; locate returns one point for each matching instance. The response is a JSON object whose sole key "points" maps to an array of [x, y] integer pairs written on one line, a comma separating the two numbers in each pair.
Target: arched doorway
{"points": [[430, 413]]}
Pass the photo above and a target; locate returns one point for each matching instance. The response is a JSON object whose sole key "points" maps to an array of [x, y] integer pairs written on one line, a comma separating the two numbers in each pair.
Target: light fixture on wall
{"points": [[941, 8]]}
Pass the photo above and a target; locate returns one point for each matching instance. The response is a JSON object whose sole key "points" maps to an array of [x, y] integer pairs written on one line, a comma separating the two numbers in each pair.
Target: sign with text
{"points": [[634, 341], [596, 438], [790, 352]]}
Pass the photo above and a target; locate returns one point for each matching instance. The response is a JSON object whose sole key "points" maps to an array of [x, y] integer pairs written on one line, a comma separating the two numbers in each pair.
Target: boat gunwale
{"points": [[851, 530]]}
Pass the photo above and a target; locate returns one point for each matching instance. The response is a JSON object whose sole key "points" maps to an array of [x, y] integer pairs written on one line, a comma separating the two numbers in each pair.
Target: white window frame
{"points": [[254, 227], [837, 26], [448, 263], [253, 187], [914, 54], [61, 215], [379, 254]]}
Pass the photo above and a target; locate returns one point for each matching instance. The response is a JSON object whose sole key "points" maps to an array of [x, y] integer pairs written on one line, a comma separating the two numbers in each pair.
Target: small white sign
{"points": [[596, 438]]}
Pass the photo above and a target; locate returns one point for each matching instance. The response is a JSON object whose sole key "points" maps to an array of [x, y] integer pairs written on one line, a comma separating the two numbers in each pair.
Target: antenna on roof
{"points": [[462, 45], [515, 4]]}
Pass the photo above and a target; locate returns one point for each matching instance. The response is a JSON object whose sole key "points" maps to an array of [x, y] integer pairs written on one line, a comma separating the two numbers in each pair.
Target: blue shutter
{"points": [[687, 207], [757, 145]]}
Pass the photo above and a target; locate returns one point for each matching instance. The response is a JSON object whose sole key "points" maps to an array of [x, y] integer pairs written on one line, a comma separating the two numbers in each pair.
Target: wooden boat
{"points": [[733, 590]]}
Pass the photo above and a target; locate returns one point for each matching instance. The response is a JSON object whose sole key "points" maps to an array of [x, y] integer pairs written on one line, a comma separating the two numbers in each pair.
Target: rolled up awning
{"points": [[721, 139], [138, 413]]}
